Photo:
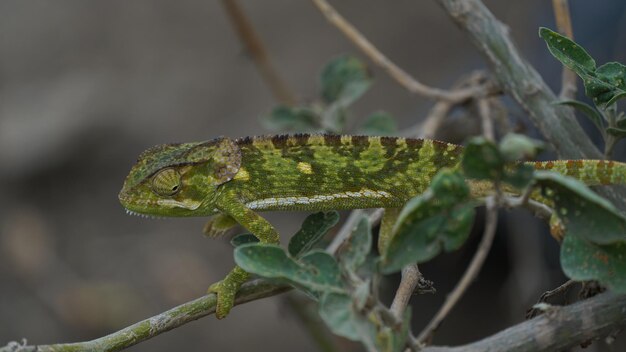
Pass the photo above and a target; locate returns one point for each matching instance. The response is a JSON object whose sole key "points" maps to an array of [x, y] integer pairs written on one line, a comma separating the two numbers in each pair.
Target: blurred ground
{"points": [[85, 86]]}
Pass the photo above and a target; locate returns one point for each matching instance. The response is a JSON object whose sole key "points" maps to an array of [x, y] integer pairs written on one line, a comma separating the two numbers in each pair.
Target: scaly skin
{"points": [[238, 177]]}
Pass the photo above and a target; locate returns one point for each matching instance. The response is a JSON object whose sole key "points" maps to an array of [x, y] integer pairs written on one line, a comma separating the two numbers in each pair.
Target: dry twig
{"points": [[255, 47], [564, 25], [406, 80]]}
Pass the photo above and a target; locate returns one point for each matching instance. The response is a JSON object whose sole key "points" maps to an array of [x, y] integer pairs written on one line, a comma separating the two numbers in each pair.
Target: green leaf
{"points": [[339, 313], [317, 271], [572, 55], [354, 251], [243, 238], [449, 187], [313, 229], [604, 85], [519, 175], [344, 80], [286, 118], [519, 147], [614, 74], [344, 318], [482, 160], [582, 260], [585, 214], [379, 123], [429, 223], [586, 109], [515, 147]]}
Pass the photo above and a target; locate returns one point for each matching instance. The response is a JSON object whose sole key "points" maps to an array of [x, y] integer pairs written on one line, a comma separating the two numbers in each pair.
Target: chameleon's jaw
{"points": [[158, 207]]}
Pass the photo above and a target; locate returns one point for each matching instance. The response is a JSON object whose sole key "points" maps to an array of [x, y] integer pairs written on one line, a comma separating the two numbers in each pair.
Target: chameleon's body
{"points": [[301, 172]]}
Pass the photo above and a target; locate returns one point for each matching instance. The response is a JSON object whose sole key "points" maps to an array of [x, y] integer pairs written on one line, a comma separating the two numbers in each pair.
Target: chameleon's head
{"points": [[180, 179]]}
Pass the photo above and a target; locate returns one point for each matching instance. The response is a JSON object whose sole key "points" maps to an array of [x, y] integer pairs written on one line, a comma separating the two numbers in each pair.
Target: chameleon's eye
{"points": [[166, 182]]}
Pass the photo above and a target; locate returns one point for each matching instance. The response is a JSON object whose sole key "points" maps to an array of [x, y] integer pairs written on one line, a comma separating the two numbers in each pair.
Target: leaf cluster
{"points": [[343, 81], [345, 283], [605, 85]]}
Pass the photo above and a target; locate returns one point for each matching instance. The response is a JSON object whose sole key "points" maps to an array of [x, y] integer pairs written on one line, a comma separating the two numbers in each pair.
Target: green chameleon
{"points": [[236, 178]]}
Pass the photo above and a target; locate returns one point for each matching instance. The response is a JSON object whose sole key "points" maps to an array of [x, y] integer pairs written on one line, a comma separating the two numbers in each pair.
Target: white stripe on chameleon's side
{"points": [[286, 201]]}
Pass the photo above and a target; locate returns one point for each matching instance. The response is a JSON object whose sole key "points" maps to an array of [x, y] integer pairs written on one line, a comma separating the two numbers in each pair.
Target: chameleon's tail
{"points": [[590, 172]]}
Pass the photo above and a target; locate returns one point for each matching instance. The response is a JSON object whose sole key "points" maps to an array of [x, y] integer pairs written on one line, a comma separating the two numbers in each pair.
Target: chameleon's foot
{"points": [[226, 290]]}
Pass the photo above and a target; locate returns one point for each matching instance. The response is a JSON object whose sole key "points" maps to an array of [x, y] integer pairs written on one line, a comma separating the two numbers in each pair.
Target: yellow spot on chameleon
{"points": [[242, 175], [305, 168]]}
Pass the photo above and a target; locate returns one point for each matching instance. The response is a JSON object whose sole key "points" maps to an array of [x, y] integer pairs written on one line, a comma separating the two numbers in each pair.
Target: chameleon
{"points": [[237, 178]]}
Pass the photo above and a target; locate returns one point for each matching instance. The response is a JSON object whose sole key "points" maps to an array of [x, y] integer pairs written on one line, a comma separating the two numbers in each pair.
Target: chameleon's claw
{"points": [[226, 290]]}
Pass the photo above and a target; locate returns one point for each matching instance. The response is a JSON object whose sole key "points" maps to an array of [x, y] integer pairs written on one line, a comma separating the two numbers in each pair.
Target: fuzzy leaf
{"points": [[604, 85], [354, 251], [582, 260], [614, 74], [339, 313], [429, 223], [317, 271], [519, 147], [585, 214], [482, 160], [313, 229], [572, 55], [587, 110], [344, 80], [519, 175], [379, 123]]}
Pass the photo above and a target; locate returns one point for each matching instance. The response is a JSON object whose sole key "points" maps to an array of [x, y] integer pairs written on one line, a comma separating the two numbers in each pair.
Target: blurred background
{"points": [[85, 86]]}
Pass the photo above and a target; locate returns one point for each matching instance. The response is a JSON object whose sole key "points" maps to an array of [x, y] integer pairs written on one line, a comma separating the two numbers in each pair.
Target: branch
{"points": [[402, 77], [470, 273], [411, 277], [522, 82], [158, 324], [255, 47], [558, 329], [564, 25]]}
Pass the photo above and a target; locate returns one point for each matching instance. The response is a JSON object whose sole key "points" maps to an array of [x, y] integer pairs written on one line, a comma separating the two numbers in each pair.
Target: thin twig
{"points": [[158, 324], [485, 119], [255, 47], [564, 25], [534, 311], [429, 127], [406, 80], [491, 222]]}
